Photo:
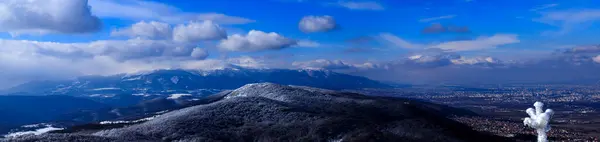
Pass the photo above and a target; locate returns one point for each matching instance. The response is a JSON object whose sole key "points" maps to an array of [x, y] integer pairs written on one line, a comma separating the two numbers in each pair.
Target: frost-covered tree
{"points": [[538, 120]]}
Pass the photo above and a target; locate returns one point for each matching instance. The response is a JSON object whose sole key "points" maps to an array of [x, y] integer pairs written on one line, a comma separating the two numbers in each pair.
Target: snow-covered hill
{"points": [[272, 112]]}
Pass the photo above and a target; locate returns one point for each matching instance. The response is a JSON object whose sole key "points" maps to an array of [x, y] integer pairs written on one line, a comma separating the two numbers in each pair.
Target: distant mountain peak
{"points": [[169, 81]]}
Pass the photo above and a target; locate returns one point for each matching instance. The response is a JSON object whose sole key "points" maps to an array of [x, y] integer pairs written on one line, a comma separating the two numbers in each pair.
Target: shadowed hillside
{"points": [[271, 112]]}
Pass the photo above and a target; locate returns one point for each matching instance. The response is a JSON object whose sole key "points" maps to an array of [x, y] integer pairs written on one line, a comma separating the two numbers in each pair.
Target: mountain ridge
{"points": [[186, 81], [272, 112]]}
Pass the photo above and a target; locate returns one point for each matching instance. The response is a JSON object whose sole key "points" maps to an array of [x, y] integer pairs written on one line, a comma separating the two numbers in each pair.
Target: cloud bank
{"points": [[154, 11], [47, 16], [480, 43]]}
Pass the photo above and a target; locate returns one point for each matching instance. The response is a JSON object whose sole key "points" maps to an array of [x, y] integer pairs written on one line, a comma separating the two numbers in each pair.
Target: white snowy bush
{"points": [[538, 120]]}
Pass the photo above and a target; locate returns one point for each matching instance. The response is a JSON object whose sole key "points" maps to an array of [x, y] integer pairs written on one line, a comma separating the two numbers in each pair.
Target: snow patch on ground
{"points": [[40, 131], [177, 96], [107, 88], [128, 122], [132, 79], [140, 94], [103, 95]]}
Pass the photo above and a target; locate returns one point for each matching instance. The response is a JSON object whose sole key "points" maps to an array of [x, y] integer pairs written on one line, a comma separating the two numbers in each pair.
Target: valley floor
{"points": [[502, 109]]}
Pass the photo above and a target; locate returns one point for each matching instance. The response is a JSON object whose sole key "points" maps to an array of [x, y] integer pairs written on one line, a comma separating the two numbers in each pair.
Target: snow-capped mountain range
{"points": [[194, 82]]}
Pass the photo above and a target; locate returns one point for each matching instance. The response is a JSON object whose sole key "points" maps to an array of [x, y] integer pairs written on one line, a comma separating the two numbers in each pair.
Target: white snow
{"points": [[128, 122], [34, 125], [48, 128], [141, 94], [133, 79], [107, 88], [177, 96], [103, 95]]}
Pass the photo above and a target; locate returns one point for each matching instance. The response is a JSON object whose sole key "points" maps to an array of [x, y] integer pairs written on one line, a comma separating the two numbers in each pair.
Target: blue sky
{"points": [[401, 18], [102, 37]]}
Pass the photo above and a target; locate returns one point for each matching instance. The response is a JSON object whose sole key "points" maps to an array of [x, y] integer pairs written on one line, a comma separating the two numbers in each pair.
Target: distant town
{"points": [[502, 108]]}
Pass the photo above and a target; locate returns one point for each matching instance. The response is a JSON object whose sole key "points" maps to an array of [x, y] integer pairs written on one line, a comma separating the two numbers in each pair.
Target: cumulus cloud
{"points": [[199, 53], [311, 24], [139, 49], [155, 11], [247, 62], [597, 59], [191, 32], [255, 41], [24, 60], [14, 52], [150, 30], [366, 5], [425, 60], [437, 18], [195, 32], [47, 16]]}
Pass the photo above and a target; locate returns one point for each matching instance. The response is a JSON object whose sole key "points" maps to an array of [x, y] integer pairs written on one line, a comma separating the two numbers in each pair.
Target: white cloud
{"points": [[15, 52], [191, 32], [475, 60], [569, 20], [150, 30], [437, 18], [335, 65], [311, 24], [24, 60], [368, 5], [195, 32], [139, 49], [398, 41], [247, 62], [199, 53], [479, 43], [597, 59], [542, 7], [154, 11], [322, 64], [47, 16], [571, 16], [255, 41]]}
